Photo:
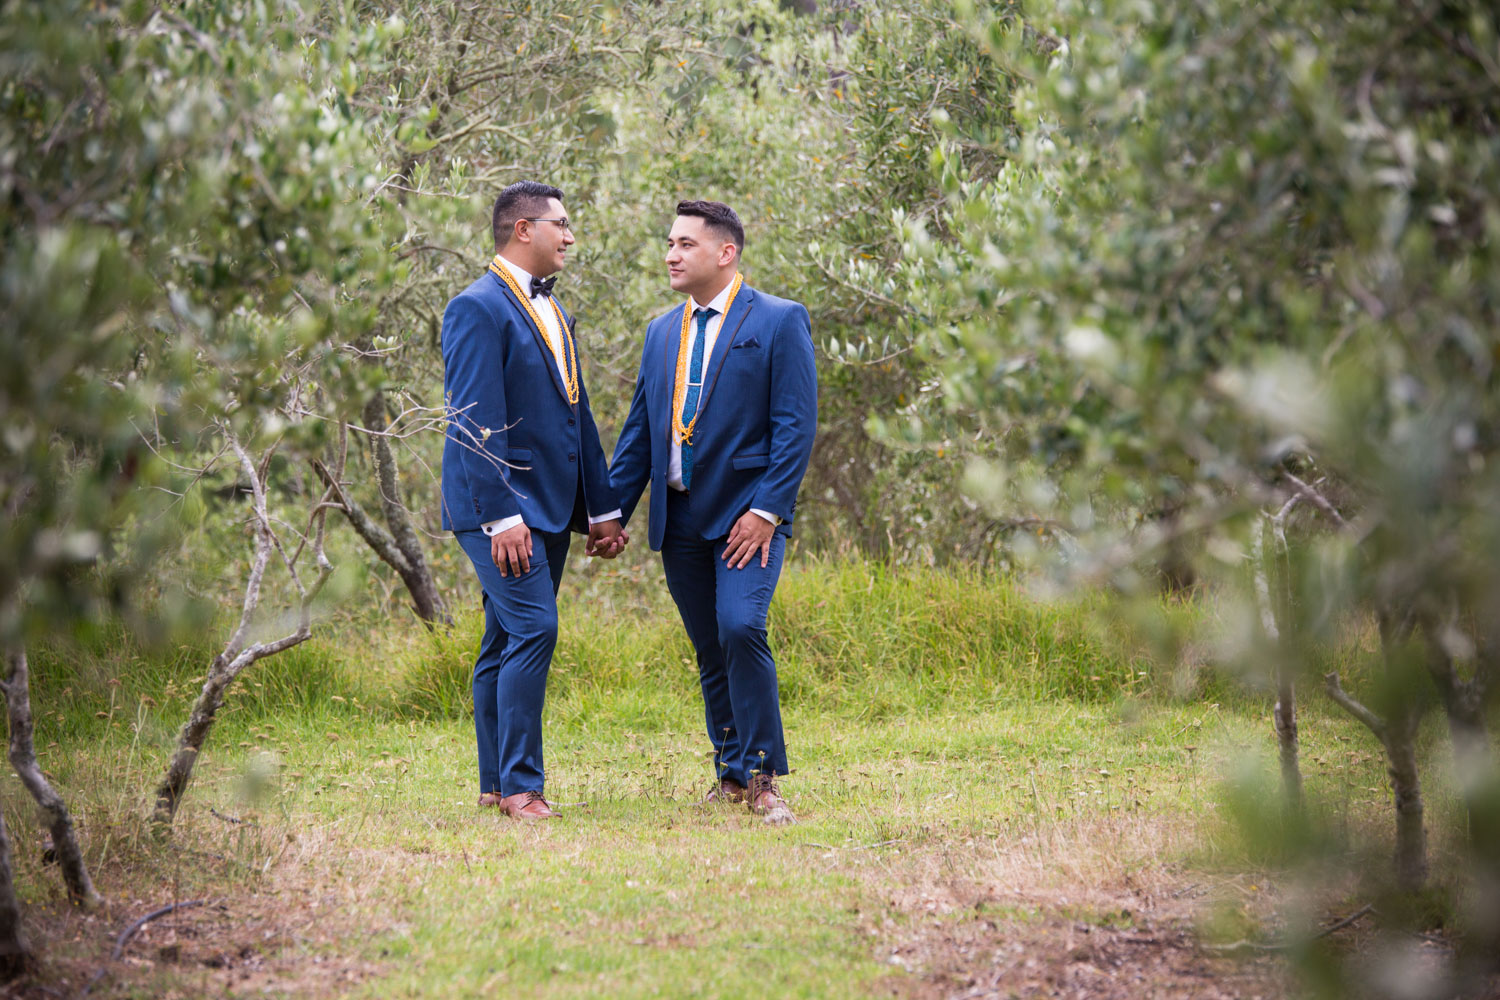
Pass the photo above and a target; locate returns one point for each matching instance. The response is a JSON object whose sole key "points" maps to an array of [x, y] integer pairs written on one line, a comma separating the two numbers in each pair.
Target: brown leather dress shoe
{"points": [[527, 805], [765, 801], [490, 799], [726, 791]]}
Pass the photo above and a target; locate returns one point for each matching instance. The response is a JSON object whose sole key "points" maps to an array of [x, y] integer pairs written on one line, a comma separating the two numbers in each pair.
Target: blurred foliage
{"points": [[185, 241], [1243, 263]]}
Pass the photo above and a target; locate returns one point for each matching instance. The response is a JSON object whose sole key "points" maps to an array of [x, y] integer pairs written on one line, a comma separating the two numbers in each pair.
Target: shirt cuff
{"points": [[613, 515], [767, 515], [494, 528]]}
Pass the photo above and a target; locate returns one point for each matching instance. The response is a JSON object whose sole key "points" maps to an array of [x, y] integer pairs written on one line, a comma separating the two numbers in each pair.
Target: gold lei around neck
{"points": [[684, 432], [569, 353]]}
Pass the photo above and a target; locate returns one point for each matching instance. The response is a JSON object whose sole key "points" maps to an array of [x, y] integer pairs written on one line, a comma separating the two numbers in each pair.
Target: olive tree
{"points": [[182, 223], [1246, 255]]}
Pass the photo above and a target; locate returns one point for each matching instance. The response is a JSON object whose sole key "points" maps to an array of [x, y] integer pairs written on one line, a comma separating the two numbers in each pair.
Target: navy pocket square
{"points": [[747, 342]]}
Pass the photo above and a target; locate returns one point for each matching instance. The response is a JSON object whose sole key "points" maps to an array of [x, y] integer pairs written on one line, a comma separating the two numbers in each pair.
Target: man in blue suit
{"points": [[522, 465], [721, 427]]}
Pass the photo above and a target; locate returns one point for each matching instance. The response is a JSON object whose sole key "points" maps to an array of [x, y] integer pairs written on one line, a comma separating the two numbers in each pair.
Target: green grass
{"points": [[852, 637], [935, 721]]}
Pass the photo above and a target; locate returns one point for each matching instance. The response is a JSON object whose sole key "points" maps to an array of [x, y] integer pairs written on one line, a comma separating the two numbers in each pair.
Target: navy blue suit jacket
{"points": [[756, 417], [541, 457]]}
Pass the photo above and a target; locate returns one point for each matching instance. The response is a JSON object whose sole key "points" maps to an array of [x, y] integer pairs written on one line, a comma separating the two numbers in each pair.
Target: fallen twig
{"points": [[130, 932], [1340, 925], [1152, 941], [133, 929], [233, 819], [1279, 946], [855, 847]]}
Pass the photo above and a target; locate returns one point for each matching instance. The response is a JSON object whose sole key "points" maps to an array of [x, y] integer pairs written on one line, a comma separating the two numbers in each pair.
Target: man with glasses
{"points": [[522, 465], [721, 427]]}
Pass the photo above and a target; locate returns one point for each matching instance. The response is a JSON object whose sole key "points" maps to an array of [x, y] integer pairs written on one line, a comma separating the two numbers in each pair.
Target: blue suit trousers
{"points": [[725, 611], [510, 673]]}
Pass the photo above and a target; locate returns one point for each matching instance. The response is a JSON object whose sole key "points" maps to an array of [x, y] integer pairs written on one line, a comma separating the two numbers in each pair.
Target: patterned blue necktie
{"points": [[695, 385]]}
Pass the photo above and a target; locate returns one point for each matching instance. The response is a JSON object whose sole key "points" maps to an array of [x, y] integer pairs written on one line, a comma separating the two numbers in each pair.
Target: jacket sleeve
{"points": [[631, 469], [473, 354], [794, 414], [598, 494]]}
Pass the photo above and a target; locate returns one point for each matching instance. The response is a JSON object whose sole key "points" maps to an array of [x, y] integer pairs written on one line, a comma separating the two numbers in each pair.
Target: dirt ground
{"points": [[1106, 911], [1143, 943], [280, 941], [280, 944], [1088, 912]]}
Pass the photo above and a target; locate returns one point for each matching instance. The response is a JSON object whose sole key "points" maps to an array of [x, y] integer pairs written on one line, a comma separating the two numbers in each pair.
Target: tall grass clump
{"points": [[888, 639], [432, 670], [848, 634]]}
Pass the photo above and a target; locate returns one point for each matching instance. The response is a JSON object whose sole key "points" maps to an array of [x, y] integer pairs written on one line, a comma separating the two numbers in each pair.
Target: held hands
{"points": [[606, 539], [511, 550], [750, 532]]}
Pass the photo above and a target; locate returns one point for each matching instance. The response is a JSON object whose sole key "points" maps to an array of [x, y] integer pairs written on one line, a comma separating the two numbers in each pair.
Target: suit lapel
{"points": [[537, 333], [673, 343], [743, 303]]}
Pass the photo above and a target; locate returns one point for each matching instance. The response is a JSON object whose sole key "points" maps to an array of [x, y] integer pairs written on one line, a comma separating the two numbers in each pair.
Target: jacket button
{"points": [[571, 421], [572, 457]]}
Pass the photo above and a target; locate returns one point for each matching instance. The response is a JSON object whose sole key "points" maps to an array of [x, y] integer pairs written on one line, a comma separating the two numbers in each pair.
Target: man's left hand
{"points": [[606, 539], [750, 532]]}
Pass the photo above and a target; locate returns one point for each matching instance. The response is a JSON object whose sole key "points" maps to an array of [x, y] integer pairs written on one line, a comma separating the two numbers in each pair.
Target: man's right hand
{"points": [[606, 539], [511, 550]]}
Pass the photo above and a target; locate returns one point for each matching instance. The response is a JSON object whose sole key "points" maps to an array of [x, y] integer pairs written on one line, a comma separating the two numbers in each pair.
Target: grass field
{"points": [[974, 772]]}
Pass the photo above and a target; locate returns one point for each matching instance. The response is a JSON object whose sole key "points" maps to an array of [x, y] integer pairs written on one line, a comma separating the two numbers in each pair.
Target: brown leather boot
{"points": [[727, 791], [528, 805], [765, 800]]}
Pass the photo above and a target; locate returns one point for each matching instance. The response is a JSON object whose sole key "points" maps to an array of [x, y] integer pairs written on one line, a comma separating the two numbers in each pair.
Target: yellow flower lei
{"points": [[684, 433], [570, 354]]}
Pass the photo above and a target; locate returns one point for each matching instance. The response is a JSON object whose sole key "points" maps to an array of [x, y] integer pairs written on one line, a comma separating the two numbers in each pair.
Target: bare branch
{"points": [[236, 655], [1372, 722], [374, 535], [428, 246], [1317, 499]]}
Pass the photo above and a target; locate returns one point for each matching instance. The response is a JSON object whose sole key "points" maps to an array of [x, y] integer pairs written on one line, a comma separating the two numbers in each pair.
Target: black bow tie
{"points": [[542, 286]]}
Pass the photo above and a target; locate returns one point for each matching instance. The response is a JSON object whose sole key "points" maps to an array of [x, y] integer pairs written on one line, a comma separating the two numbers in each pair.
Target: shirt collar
{"points": [[522, 276], [718, 302]]}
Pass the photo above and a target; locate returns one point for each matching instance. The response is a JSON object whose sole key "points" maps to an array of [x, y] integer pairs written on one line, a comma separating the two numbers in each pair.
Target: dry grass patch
{"points": [[1098, 908], [258, 913]]}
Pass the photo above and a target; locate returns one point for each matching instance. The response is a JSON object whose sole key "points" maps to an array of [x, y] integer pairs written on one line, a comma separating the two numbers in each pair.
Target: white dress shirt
{"points": [[710, 337], [554, 335]]}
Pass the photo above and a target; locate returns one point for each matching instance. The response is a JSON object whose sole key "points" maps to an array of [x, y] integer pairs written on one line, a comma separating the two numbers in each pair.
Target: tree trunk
{"points": [[15, 952], [426, 600], [1285, 716], [221, 674], [399, 546], [1411, 835], [1398, 734], [174, 782], [17, 689], [236, 655], [1464, 703], [1275, 613]]}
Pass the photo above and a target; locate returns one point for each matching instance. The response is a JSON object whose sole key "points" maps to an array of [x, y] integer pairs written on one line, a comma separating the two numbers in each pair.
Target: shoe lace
{"points": [[761, 784]]}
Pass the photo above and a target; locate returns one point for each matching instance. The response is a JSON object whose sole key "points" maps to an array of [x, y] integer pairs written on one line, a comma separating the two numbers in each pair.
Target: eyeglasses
{"points": [[561, 223]]}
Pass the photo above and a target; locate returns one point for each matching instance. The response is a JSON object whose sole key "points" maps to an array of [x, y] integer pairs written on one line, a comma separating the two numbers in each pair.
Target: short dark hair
{"points": [[516, 202], [720, 218]]}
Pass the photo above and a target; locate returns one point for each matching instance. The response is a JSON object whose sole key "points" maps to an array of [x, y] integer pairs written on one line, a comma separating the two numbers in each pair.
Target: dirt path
{"points": [[1143, 946], [1100, 910]]}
